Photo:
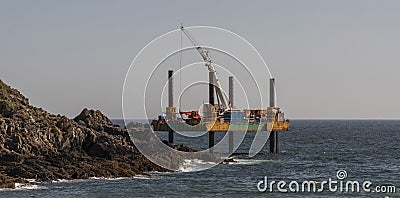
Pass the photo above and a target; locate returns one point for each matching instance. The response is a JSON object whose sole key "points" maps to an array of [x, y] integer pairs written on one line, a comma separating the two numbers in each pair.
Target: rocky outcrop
{"points": [[38, 145]]}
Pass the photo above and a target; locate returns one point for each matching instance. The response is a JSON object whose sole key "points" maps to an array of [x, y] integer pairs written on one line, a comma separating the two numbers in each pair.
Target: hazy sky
{"points": [[331, 59]]}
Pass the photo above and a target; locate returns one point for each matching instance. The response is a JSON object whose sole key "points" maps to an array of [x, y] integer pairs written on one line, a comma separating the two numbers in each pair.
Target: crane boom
{"points": [[204, 54]]}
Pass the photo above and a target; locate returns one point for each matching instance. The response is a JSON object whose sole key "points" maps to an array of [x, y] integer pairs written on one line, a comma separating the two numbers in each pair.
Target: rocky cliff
{"points": [[35, 144]]}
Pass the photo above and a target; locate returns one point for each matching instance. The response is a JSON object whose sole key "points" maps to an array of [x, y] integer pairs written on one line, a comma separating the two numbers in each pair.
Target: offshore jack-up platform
{"points": [[221, 117]]}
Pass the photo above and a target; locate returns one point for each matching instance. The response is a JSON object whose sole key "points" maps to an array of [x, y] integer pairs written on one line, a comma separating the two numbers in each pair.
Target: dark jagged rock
{"points": [[9, 182], [179, 147], [94, 119], [229, 161], [35, 144]]}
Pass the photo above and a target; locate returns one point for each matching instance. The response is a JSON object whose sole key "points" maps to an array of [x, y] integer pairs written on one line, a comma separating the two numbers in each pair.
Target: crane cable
{"points": [[180, 73]]}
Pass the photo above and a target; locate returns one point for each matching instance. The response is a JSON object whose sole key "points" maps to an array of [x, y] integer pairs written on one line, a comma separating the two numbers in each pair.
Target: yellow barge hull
{"points": [[222, 126]]}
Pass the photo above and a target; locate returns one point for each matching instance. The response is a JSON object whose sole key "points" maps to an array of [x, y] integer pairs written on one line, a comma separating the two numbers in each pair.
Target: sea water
{"points": [[313, 150]]}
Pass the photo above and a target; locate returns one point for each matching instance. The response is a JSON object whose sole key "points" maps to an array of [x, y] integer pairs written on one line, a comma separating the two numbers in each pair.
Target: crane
{"points": [[210, 65]]}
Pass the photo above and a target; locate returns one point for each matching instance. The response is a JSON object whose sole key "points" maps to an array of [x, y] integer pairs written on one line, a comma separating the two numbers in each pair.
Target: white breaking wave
{"points": [[109, 178], [28, 186], [250, 161], [195, 165], [143, 177], [120, 178], [61, 181], [31, 180]]}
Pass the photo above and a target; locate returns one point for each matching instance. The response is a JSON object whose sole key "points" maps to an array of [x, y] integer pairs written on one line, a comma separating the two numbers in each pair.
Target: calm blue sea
{"points": [[313, 150]]}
